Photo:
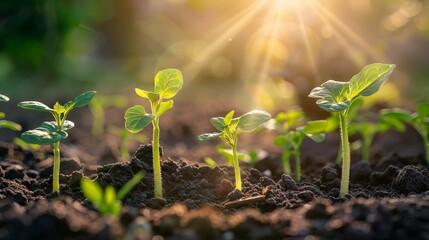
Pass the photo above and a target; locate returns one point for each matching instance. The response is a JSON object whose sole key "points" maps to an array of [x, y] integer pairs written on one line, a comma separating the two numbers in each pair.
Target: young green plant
{"points": [[291, 138], [167, 83], [5, 123], [54, 131], [419, 120], [108, 202], [230, 127], [98, 106], [334, 96]]}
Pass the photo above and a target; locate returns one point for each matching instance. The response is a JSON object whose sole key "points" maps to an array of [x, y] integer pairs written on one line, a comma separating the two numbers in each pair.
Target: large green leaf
{"points": [[92, 191], [3, 98], [153, 97], [136, 119], [80, 101], [10, 125], [253, 119], [37, 106], [218, 123], [168, 82], [164, 106], [332, 96], [209, 136], [43, 135], [369, 80]]}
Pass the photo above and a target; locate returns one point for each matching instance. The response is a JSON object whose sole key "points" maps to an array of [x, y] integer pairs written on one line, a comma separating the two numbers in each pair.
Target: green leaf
{"points": [[369, 80], [153, 97], [37, 106], [164, 106], [109, 195], [46, 133], [280, 140], [168, 82], [80, 101], [318, 137], [228, 118], [332, 96], [2, 115], [422, 110], [209, 136], [58, 108], [52, 125], [397, 113], [218, 123], [313, 127], [209, 161], [10, 125], [3, 98], [136, 119], [92, 191], [252, 120], [130, 185]]}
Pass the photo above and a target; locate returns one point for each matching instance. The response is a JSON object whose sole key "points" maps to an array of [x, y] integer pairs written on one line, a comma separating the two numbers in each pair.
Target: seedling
{"points": [[125, 138], [108, 202], [229, 128], [5, 123], [419, 120], [55, 131], [98, 106], [167, 83], [291, 138], [334, 96]]}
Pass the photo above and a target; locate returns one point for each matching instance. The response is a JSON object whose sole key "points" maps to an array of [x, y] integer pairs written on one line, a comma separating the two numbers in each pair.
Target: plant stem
{"points": [[124, 145], [236, 166], [298, 165], [339, 156], [345, 146], [156, 160], [56, 173], [286, 162], [366, 146]]}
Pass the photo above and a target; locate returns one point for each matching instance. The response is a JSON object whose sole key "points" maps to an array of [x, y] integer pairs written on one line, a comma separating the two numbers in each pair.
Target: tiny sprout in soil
{"points": [[419, 120], [291, 137], [55, 131], [334, 96], [108, 202], [5, 123], [167, 83], [230, 127]]}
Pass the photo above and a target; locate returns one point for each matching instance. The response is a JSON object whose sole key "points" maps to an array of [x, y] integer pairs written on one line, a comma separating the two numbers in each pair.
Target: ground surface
{"points": [[389, 197]]}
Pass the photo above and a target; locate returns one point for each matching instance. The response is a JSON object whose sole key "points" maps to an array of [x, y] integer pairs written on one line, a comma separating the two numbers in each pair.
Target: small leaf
{"points": [[164, 106], [209, 136], [52, 125], [47, 133], [37, 106], [136, 119], [369, 80], [80, 101], [10, 125], [3, 98], [109, 195], [2, 115], [318, 137], [209, 161], [92, 191], [422, 110], [332, 96], [218, 123], [228, 118], [58, 108], [67, 125], [313, 127], [153, 97], [168, 82], [397, 113], [252, 120], [293, 117]]}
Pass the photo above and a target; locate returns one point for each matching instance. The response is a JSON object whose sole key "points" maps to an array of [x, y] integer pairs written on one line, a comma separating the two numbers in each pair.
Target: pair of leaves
{"points": [[167, 83], [246, 123], [108, 201], [47, 133], [334, 96]]}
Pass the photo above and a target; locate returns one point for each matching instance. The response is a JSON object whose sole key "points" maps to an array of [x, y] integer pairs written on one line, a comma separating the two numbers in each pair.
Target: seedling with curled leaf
{"points": [[419, 120], [5, 123], [167, 83], [334, 96], [291, 137], [229, 128], [55, 131], [108, 202]]}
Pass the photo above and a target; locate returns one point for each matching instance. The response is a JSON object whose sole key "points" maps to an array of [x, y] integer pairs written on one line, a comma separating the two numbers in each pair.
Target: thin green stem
{"points": [[56, 172], [156, 160], [124, 145], [236, 166], [345, 146], [366, 146], [286, 162], [298, 165], [339, 156]]}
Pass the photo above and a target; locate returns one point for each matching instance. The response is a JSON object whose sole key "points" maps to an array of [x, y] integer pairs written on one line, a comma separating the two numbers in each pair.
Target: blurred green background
{"points": [[259, 53]]}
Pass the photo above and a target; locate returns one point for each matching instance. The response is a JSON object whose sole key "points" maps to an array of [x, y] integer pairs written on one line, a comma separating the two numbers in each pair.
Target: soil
{"points": [[388, 199]]}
